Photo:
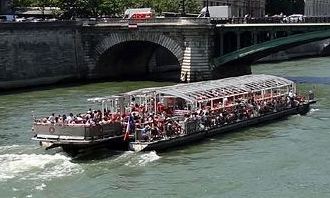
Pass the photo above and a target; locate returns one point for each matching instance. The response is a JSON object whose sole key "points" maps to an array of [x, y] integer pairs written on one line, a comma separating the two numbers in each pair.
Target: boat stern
{"points": [[137, 146]]}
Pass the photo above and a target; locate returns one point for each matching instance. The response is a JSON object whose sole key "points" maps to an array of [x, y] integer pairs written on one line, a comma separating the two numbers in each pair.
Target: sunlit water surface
{"points": [[286, 158]]}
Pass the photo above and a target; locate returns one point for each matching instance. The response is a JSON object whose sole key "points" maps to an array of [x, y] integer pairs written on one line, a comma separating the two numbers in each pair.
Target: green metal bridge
{"points": [[250, 54]]}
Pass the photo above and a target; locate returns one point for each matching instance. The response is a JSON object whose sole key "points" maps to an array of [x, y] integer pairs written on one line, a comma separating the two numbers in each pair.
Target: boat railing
{"points": [[72, 131], [138, 135], [62, 124], [192, 126], [307, 96], [178, 112]]}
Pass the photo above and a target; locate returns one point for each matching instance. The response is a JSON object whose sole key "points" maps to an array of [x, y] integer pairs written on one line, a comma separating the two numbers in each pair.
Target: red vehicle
{"points": [[139, 13], [143, 15]]}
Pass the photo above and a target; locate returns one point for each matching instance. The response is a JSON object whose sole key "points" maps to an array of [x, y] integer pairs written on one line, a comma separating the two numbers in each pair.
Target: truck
{"points": [[139, 13], [216, 12]]}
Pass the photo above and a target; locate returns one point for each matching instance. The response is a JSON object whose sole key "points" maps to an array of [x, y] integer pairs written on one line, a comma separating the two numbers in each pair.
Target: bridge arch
{"points": [[123, 50], [160, 39], [236, 63]]}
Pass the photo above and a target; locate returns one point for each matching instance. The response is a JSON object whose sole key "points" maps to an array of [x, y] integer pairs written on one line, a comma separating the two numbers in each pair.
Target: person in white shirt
{"points": [[51, 118], [69, 118]]}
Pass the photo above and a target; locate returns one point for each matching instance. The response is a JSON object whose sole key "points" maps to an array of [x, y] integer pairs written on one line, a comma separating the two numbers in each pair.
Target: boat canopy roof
{"points": [[207, 90]]}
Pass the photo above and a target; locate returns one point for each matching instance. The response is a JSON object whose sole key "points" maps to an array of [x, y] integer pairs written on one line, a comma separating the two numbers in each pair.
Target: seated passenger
{"points": [[69, 118], [45, 120], [78, 120], [51, 118], [60, 119]]}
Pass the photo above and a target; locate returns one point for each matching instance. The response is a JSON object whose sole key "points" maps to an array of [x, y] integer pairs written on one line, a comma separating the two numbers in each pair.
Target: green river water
{"points": [[287, 158]]}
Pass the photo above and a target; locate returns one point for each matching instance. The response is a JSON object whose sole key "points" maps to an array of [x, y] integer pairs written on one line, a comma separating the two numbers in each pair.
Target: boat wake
{"points": [[142, 159], [31, 166], [40, 187], [313, 110]]}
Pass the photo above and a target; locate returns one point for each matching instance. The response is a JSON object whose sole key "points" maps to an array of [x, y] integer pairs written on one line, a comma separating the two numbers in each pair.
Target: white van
{"points": [[217, 12]]}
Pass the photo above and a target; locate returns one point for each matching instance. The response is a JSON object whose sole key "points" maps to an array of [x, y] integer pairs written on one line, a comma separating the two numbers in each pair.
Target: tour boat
{"points": [[85, 130], [159, 118], [199, 110]]}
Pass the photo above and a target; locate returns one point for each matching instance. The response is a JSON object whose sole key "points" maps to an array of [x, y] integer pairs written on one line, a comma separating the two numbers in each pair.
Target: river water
{"points": [[286, 158]]}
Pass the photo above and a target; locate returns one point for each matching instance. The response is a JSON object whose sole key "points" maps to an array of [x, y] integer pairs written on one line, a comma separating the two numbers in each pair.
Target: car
{"points": [[51, 19], [294, 18], [20, 19]]}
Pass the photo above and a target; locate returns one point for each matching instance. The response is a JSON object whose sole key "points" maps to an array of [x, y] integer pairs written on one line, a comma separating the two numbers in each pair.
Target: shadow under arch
{"points": [[138, 60]]}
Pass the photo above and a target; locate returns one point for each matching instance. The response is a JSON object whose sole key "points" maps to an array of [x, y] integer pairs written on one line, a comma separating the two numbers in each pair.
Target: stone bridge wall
{"points": [[38, 53], [33, 54]]}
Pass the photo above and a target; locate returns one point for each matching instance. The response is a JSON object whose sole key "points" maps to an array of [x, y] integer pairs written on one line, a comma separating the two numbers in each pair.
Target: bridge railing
{"points": [[167, 20], [251, 20], [317, 19], [187, 20]]}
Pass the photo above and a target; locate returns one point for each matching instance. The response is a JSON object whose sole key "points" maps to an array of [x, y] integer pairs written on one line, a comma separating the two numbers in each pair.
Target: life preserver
{"points": [[51, 129]]}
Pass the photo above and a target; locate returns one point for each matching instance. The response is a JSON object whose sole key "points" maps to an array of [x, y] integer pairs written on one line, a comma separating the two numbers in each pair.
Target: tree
{"points": [[71, 8], [193, 6], [166, 6], [22, 3], [114, 8]]}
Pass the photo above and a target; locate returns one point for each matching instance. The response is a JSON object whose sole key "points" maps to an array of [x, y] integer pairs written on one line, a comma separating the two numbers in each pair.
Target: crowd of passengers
{"points": [[242, 110], [165, 123], [91, 117]]}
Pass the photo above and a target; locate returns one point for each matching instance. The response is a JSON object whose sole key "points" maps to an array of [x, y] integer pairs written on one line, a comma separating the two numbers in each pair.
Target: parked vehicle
{"points": [[23, 19], [7, 17], [139, 13], [295, 18], [217, 12]]}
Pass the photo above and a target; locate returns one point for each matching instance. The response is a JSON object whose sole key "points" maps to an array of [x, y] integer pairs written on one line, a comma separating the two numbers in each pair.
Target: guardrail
{"points": [[203, 21], [184, 20], [242, 20], [167, 20]]}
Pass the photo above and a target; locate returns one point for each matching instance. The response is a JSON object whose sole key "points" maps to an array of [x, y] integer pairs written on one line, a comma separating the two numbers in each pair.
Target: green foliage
{"points": [[22, 3], [193, 6], [95, 8], [35, 3]]}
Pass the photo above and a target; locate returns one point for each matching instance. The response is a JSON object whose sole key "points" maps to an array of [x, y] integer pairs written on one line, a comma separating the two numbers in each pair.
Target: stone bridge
{"points": [[187, 49], [120, 49], [195, 48]]}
